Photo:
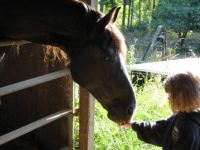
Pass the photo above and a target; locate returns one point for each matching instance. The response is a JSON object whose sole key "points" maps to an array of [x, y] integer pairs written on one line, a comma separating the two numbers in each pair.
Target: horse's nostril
{"points": [[130, 110]]}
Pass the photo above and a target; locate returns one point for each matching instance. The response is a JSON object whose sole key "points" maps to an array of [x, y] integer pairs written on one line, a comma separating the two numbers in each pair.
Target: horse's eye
{"points": [[108, 58]]}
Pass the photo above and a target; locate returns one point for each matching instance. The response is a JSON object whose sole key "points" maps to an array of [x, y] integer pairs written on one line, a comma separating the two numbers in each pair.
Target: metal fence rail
{"points": [[41, 122], [10, 43], [33, 82], [32, 126]]}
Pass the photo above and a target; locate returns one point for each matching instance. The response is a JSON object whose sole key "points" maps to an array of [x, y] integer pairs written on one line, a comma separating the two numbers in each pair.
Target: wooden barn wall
{"points": [[26, 106]]}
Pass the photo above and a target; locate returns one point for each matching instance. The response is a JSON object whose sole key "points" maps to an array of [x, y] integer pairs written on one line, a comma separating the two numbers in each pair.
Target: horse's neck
{"points": [[49, 22]]}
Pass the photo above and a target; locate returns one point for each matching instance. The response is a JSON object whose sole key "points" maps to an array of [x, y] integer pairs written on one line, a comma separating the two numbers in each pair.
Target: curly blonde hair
{"points": [[184, 92]]}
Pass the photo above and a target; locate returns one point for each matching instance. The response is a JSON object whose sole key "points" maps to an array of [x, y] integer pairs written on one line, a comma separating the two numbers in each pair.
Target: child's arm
{"points": [[148, 132], [152, 133]]}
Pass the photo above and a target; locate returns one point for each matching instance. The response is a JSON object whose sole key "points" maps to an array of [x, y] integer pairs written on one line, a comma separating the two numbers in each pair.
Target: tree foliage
{"points": [[181, 18], [178, 15]]}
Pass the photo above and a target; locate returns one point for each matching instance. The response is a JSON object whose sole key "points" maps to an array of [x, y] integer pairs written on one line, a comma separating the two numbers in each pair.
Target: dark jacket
{"points": [[179, 132]]}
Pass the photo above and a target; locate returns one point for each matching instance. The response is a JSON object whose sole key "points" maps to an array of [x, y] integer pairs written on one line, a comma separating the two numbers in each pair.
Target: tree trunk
{"points": [[101, 5], [129, 14], [124, 13], [181, 39], [154, 4], [139, 17], [132, 16]]}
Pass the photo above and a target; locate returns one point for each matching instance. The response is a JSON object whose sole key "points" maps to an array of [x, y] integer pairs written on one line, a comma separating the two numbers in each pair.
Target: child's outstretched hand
{"points": [[125, 124]]}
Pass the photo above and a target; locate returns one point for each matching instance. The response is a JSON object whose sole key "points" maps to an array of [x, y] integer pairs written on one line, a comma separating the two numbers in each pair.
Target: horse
{"points": [[95, 45]]}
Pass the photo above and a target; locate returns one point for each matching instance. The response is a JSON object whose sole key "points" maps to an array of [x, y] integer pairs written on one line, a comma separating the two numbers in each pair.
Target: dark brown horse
{"points": [[96, 47]]}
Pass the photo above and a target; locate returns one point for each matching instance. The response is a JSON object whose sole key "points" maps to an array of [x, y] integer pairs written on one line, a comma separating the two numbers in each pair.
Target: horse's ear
{"points": [[110, 17]]}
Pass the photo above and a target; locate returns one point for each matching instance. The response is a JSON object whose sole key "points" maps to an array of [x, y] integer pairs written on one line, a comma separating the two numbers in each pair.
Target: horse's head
{"points": [[96, 47], [100, 68]]}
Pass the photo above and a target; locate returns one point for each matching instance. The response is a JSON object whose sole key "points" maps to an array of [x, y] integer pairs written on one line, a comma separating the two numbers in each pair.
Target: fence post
{"points": [[87, 110], [86, 120], [70, 95]]}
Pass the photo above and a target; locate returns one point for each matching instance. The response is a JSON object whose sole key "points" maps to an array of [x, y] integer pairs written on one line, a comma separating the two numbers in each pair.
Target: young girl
{"points": [[181, 131]]}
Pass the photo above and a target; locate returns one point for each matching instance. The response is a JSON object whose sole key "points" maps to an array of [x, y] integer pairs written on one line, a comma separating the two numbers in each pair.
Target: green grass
{"points": [[151, 105]]}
